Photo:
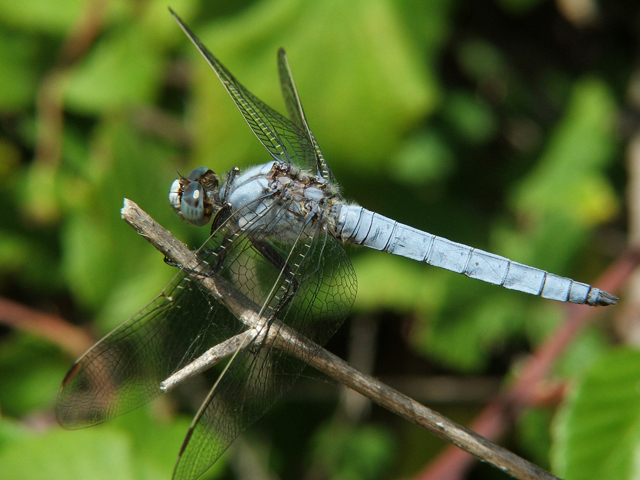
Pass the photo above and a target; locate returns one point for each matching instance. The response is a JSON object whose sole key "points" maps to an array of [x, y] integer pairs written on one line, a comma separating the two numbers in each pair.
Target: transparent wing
{"points": [[296, 112], [123, 370], [313, 297], [308, 283], [284, 140]]}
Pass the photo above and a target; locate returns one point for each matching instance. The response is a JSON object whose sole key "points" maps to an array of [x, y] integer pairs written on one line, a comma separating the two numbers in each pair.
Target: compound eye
{"points": [[205, 177], [175, 194], [196, 173], [194, 205]]}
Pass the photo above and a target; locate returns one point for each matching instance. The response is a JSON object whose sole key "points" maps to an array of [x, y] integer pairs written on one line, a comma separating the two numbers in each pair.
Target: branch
{"points": [[210, 358], [74, 340], [288, 340]]}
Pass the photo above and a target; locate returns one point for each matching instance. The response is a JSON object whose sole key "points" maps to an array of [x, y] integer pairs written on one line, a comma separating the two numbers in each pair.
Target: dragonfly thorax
{"points": [[276, 196]]}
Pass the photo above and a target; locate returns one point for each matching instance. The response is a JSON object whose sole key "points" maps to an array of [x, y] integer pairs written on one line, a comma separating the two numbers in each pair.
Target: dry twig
{"points": [[324, 361]]}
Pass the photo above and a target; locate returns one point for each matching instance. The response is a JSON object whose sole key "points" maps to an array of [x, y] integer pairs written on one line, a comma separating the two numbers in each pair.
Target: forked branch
{"points": [[288, 340]]}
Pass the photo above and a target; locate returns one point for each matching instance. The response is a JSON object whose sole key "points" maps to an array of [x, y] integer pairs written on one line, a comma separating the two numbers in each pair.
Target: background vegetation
{"points": [[501, 124]]}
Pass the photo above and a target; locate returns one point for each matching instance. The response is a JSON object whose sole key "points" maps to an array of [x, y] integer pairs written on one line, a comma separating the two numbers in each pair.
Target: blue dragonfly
{"points": [[276, 237]]}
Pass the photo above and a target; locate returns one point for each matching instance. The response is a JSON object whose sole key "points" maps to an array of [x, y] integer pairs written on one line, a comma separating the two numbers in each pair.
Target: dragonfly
{"points": [[276, 237]]}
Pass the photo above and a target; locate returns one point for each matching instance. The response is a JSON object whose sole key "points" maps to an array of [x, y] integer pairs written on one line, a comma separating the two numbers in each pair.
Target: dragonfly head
{"points": [[193, 196]]}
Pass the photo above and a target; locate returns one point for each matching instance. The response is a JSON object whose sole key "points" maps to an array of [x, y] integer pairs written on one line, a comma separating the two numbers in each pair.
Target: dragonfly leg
{"points": [[219, 253], [171, 263], [231, 176], [283, 302], [275, 259], [290, 283], [221, 217]]}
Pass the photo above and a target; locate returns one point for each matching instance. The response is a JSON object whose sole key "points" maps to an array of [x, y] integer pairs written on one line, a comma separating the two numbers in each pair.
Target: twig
{"points": [[57, 330], [209, 358], [329, 364]]}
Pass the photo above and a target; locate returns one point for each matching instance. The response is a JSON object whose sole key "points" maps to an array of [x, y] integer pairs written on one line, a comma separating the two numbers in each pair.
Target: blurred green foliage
{"points": [[603, 405], [489, 123], [349, 453]]}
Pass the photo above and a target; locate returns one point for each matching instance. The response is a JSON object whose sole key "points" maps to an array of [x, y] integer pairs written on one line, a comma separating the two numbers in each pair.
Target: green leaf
{"points": [[122, 70], [386, 281], [41, 15], [470, 117], [18, 73], [90, 247], [464, 340], [425, 157], [10, 431], [533, 434], [429, 22], [31, 370], [136, 446], [39, 193], [570, 172], [353, 453], [597, 431], [93, 454], [160, 27], [482, 61], [155, 442]]}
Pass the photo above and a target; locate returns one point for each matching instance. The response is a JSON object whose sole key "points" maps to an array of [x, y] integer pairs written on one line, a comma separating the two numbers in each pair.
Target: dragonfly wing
{"points": [[123, 370], [315, 304], [284, 140], [296, 112]]}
